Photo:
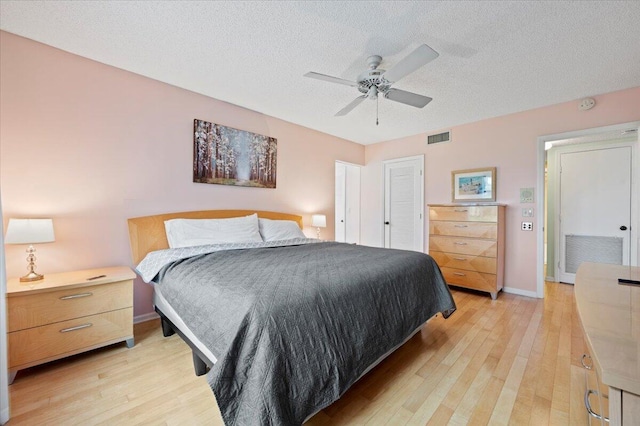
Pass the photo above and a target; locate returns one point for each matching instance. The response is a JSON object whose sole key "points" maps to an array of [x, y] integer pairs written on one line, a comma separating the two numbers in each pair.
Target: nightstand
{"points": [[68, 313]]}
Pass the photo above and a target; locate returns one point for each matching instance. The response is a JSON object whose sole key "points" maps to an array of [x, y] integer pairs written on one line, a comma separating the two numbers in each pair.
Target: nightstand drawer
{"points": [[464, 213], [33, 310], [464, 229], [469, 279], [470, 246], [466, 262], [41, 344]]}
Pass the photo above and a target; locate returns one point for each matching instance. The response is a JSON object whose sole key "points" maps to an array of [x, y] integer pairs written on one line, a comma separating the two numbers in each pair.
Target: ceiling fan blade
{"points": [[407, 98], [331, 79], [346, 110], [419, 57]]}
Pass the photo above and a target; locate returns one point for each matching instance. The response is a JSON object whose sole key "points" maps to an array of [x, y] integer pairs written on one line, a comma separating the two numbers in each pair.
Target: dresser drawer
{"points": [[33, 310], [464, 229], [40, 344], [466, 262], [464, 213], [470, 246], [470, 279]]}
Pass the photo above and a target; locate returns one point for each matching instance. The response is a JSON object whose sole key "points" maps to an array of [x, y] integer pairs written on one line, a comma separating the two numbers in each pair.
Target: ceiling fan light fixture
{"points": [[372, 93], [376, 81]]}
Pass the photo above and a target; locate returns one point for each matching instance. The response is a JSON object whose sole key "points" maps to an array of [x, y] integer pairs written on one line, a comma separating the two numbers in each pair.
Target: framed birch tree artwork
{"points": [[227, 156]]}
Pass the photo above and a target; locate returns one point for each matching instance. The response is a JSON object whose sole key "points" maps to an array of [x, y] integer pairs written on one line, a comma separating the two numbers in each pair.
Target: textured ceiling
{"points": [[495, 57]]}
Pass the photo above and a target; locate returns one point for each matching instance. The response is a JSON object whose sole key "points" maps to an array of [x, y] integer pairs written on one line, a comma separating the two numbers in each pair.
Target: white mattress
{"points": [[161, 303]]}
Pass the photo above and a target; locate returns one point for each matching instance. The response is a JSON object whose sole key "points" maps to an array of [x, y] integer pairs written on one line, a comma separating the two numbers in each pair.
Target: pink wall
{"points": [[92, 145], [509, 143]]}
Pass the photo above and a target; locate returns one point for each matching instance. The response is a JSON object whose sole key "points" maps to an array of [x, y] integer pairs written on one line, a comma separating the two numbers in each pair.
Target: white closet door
{"points": [[352, 205], [347, 203], [340, 202], [403, 204]]}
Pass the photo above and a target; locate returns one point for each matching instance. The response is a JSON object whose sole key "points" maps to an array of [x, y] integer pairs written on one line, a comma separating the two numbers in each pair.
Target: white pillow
{"points": [[197, 232], [273, 230]]}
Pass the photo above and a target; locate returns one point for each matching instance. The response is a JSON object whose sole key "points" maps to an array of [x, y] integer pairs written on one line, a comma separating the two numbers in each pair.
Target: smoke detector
{"points": [[586, 104]]}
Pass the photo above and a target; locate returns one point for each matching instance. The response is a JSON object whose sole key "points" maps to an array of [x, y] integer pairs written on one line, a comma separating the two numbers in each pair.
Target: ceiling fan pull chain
{"points": [[377, 103]]}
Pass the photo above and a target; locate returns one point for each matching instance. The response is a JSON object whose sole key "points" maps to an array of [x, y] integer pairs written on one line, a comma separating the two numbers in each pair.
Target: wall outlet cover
{"points": [[527, 226]]}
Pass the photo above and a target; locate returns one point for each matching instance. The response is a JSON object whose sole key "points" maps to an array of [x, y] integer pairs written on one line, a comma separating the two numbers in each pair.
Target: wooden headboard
{"points": [[147, 233]]}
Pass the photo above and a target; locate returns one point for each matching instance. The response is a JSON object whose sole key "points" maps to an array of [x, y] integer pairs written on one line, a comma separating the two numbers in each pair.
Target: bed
{"points": [[282, 328]]}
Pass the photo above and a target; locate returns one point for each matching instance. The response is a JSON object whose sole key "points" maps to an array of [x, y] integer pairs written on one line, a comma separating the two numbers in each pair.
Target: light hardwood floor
{"points": [[510, 361]]}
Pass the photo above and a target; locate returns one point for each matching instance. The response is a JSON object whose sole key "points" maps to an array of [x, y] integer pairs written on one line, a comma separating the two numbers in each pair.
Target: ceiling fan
{"points": [[376, 81]]}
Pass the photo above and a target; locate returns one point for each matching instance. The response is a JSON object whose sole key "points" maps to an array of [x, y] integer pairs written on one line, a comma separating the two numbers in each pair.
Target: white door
{"points": [[347, 202], [403, 203], [595, 208], [341, 202]]}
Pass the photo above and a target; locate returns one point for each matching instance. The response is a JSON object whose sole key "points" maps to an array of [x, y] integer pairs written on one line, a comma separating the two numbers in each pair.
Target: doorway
{"points": [[593, 218], [404, 203], [557, 240], [347, 202]]}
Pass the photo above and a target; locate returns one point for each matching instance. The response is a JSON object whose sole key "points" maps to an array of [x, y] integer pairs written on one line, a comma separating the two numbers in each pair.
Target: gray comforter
{"points": [[293, 327]]}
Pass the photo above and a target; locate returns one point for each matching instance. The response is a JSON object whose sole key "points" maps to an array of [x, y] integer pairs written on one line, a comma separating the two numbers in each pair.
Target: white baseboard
{"points": [[519, 292], [550, 279], [145, 317], [4, 416]]}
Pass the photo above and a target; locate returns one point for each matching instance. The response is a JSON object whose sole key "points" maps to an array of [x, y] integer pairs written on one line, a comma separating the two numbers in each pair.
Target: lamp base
{"points": [[31, 276]]}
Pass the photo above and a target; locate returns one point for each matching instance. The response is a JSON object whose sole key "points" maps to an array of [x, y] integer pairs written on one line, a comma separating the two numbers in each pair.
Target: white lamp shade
{"points": [[29, 231], [319, 221]]}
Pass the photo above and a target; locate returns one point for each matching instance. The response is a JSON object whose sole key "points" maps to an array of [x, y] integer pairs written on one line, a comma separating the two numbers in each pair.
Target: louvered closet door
{"points": [[403, 219], [595, 208]]}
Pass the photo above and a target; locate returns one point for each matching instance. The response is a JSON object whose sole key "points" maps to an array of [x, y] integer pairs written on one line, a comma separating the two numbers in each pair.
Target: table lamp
{"points": [[30, 231], [319, 221]]}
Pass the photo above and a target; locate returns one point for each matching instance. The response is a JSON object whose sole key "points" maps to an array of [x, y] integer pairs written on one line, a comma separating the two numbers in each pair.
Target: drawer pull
{"points": [[460, 226], [585, 356], [76, 296], [587, 405], [459, 258], [460, 274], [460, 244], [77, 327], [460, 210]]}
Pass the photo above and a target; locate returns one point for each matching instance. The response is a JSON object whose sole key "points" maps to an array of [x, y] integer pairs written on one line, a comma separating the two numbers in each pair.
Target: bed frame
{"points": [[147, 234]]}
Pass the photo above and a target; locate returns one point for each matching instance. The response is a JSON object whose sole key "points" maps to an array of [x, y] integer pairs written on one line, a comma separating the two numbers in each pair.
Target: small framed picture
{"points": [[473, 185]]}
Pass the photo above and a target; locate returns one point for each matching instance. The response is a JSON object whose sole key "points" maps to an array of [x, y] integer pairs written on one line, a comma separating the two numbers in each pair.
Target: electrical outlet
{"points": [[527, 226], [527, 212]]}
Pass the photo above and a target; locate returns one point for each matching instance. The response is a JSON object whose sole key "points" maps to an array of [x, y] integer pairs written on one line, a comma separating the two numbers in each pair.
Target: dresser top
{"points": [[610, 315], [73, 279]]}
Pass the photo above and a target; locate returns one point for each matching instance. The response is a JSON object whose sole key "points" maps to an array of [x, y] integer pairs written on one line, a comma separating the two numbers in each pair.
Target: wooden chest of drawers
{"points": [[467, 242], [609, 314], [67, 313]]}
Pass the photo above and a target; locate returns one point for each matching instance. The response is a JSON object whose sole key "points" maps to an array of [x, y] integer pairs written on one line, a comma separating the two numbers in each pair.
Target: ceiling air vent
{"points": [[440, 137]]}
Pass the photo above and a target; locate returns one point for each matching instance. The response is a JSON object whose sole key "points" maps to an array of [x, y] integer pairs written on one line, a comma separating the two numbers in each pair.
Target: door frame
{"points": [[420, 158], [540, 205], [581, 147]]}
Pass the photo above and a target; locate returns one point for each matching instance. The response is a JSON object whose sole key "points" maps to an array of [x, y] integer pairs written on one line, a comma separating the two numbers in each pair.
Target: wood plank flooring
{"points": [[515, 360]]}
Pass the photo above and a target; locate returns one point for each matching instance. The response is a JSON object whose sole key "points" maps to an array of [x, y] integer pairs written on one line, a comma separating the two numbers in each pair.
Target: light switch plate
{"points": [[526, 195], [527, 212]]}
